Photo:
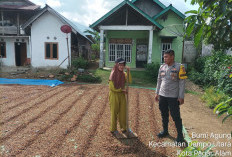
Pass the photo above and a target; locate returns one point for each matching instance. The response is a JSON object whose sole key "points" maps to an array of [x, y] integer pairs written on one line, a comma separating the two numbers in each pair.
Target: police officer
{"points": [[170, 94]]}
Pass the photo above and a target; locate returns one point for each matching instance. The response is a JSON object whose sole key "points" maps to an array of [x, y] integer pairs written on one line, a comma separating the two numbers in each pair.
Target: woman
{"points": [[117, 96]]}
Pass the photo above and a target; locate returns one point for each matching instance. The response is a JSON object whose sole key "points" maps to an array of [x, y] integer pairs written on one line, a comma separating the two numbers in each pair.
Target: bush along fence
{"points": [[78, 72], [214, 73]]}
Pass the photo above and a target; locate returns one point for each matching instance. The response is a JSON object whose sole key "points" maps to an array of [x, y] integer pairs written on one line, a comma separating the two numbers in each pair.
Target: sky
{"points": [[86, 12]]}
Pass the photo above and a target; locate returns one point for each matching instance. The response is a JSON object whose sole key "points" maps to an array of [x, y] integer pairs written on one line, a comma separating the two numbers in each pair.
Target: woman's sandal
{"points": [[117, 134], [130, 134]]}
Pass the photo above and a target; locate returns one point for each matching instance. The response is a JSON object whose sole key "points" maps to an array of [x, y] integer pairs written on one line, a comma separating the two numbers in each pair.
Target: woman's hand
{"points": [[125, 91], [127, 68]]}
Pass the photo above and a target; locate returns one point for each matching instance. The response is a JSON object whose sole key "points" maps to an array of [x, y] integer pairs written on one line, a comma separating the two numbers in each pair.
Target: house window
{"points": [[3, 49], [51, 50], [120, 50], [165, 46]]}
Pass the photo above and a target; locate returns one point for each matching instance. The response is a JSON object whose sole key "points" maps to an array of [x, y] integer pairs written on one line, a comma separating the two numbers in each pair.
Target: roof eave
{"points": [[107, 14], [93, 26], [156, 1], [170, 7], [50, 10], [146, 16]]}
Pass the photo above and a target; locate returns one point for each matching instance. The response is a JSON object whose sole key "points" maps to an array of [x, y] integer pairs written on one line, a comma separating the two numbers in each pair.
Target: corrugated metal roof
{"points": [[75, 28], [18, 5]]}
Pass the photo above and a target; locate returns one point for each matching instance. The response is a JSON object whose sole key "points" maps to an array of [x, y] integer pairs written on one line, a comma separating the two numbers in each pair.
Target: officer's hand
{"points": [[181, 101], [156, 97]]}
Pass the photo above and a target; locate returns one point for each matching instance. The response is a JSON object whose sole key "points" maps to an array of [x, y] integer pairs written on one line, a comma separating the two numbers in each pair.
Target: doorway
{"points": [[20, 54], [141, 55]]}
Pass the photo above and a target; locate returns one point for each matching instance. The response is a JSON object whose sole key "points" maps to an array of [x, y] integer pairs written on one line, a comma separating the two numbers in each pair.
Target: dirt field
{"points": [[74, 120]]}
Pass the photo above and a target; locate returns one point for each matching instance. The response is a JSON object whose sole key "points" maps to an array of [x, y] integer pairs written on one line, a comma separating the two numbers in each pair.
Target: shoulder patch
{"points": [[182, 72]]}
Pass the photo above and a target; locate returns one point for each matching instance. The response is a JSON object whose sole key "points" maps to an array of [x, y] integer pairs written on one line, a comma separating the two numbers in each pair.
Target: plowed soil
{"points": [[74, 120]]}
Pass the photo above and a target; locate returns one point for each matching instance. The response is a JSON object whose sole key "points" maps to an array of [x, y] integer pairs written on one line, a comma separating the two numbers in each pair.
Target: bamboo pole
{"points": [[127, 102]]}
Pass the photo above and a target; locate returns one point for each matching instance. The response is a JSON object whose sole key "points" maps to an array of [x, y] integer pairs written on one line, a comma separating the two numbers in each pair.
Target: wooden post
{"points": [[182, 59], [69, 66], [2, 23], [18, 26], [127, 102]]}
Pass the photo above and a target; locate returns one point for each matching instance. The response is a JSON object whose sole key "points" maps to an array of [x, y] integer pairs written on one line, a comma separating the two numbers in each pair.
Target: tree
{"points": [[212, 22], [96, 45]]}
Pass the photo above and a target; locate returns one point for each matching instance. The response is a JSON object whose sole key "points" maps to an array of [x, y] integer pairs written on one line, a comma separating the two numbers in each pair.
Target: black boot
{"points": [[180, 137], [164, 133]]}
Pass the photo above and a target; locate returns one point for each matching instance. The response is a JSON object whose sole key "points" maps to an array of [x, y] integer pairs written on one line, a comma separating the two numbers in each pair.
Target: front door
{"points": [[141, 55], [20, 54]]}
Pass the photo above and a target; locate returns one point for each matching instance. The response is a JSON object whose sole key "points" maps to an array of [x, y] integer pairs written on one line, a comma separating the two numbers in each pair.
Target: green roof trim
{"points": [[156, 1], [131, 5], [170, 7]]}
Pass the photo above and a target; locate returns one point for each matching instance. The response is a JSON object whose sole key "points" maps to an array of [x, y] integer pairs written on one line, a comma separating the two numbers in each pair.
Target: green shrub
{"points": [[213, 97], [93, 56], [197, 77], [152, 71], [215, 66], [224, 107], [65, 77], [213, 71], [199, 64], [224, 82], [61, 71], [80, 63], [89, 78]]}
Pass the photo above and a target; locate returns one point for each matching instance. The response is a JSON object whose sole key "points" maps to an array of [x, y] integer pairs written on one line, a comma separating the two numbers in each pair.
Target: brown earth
{"points": [[74, 120], [203, 125]]}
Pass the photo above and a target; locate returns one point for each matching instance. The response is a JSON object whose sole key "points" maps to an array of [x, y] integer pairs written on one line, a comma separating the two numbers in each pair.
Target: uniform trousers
{"points": [[167, 104]]}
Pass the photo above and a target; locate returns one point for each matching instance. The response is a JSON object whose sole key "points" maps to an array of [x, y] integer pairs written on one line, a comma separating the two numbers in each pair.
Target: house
{"points": [[49, 43], [41, 43], [15, 49], [140, 31]]}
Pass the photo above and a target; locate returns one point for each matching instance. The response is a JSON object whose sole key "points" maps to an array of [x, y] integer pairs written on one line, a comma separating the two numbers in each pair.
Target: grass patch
{"points": [[192, 92], [104, 74], [213, 97], [139, 78]]}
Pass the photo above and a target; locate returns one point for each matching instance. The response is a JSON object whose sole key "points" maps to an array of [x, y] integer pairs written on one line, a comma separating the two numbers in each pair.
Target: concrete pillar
{"points": [[101, 61], [150, 45]]}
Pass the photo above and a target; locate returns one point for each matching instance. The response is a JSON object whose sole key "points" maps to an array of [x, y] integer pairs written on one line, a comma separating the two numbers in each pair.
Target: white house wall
{"points": [[45, 29], [10, 49]]}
